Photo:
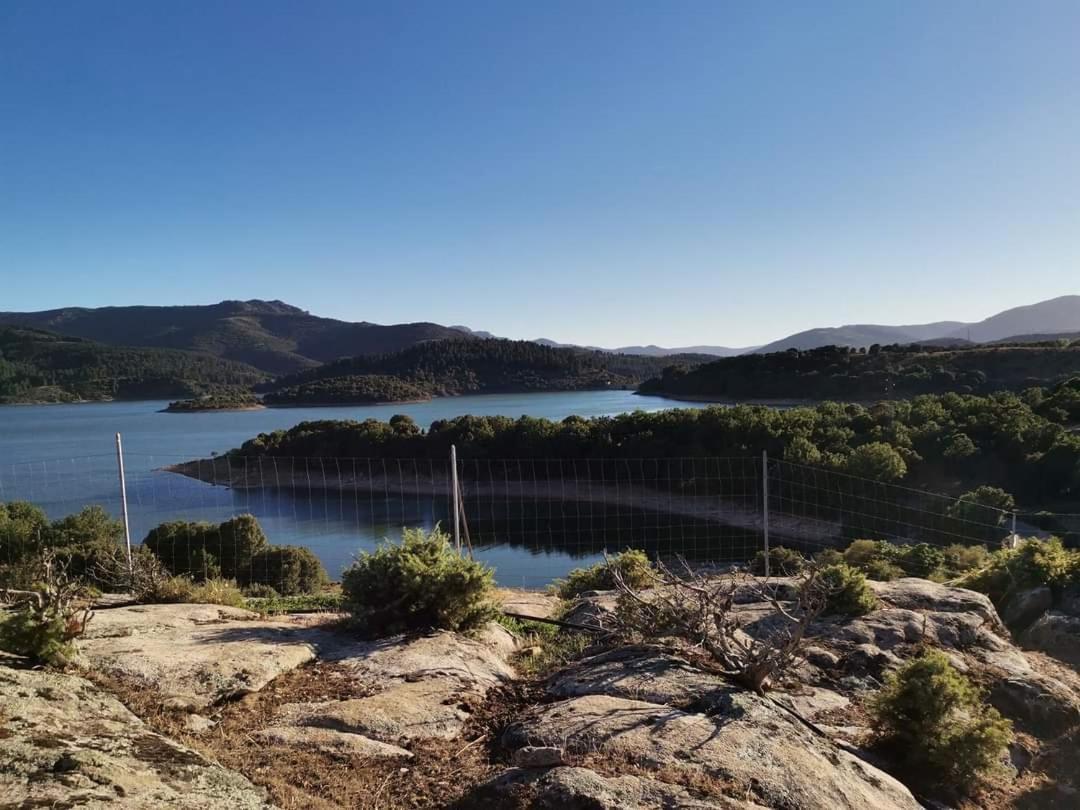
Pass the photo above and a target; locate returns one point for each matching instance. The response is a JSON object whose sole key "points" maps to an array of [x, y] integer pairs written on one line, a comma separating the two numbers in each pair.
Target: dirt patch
{"points": [[441, 773]]}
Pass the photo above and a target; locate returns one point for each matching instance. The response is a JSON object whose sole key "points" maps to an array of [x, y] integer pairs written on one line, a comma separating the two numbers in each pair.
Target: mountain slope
{"points": [[857, 335], [1057, 315], [42, 366], [270, 335]]}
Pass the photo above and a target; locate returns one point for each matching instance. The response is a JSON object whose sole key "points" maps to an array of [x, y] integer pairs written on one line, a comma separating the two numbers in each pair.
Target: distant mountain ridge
{"points": [[270, 335]]}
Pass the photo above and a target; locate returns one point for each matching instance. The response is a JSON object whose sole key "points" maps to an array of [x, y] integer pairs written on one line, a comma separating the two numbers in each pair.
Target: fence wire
{"points": [[531, 519]]}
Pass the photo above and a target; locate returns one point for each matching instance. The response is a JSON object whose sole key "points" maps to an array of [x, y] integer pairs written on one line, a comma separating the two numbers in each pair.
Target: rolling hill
{"points": [[38, 366], [270, 335]]}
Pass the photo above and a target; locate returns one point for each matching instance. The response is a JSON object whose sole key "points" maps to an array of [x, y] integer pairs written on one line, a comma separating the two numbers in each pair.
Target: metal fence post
{"points": [[765, 505], [123, 499], [455, 508]]}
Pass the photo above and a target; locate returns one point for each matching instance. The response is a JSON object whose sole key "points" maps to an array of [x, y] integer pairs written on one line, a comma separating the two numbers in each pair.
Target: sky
{"points": [[607, 173]]}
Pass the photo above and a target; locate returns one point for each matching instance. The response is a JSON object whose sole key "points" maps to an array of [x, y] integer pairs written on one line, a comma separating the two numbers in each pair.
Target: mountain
{"points": [[1046, 317], [863, 334], [38, 366], [463, 366], [270, 335], [651, 350]]}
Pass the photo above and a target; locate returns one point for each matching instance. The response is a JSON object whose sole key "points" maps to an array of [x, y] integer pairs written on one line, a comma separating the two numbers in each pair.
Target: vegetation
{"points": [[633, 567], [1014, 446], [544, 647], [45, 619], [783, 562], [934, 718], [83, 544], [43, 367], [462, 366], [236, 549], [418, 584], [327, 601], [847, 591], [221, 401], [371, 388], [1031, 564], [882, 372]]}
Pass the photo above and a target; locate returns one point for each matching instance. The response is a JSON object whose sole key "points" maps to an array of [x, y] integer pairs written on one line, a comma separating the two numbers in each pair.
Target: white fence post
{"points": [[765, 505], [123, 498], [454, 498]]}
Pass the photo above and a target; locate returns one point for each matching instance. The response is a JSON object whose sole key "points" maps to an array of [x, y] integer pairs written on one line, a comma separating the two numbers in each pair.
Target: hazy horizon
{"points": [[594, 173]]}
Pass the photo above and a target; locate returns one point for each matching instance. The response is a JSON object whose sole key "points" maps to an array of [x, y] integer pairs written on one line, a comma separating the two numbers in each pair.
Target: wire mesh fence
{"points": [[531, 519]]}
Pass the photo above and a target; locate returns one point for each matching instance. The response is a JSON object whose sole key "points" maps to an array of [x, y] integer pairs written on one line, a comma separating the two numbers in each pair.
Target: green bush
{"points": [[188, 548], [847, 591], [217, 592], [1031, 564], [260, 591], [875, 558], [920, 560], [290, 570], [959, 559], [783, 562], [44, 639], [633, 566], [236, 549], [420, 583], [935, 719], [829, 556]]}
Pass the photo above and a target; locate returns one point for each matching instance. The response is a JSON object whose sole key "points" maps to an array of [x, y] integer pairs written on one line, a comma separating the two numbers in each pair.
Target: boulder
{"points": [[197, 655], [1056, 634], [534, 604], [1041, 705], [1024, 607], [539, 756], [65, 743], [330, 741], [582, 789], [915, 594], [1070, 601]]}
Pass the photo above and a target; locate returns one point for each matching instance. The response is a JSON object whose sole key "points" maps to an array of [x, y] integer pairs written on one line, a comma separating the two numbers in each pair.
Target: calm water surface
{"points": [[62, 457]]}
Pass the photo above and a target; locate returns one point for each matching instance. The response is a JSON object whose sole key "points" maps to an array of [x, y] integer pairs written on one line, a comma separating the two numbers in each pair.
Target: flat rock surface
{"points": [[569, 788], [744, 739], [202, 653], [534, 604], [64, 743]]}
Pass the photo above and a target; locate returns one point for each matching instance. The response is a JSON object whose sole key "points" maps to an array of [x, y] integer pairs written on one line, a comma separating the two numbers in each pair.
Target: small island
{"points": [[357, 389], [233, 401]]}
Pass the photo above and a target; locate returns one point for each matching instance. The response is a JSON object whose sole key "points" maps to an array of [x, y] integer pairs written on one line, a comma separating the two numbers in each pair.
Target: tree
{"points": [[877, 461], [984, 505]]}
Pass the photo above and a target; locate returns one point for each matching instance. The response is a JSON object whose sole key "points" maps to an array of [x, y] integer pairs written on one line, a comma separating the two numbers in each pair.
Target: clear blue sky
{"points": [[669, 172]]}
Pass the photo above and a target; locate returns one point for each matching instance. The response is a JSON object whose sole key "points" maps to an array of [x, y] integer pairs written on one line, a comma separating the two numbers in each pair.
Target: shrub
{"points": [[633, 566], [1031, 564], [847, 591], [875, 558], [936, 720], [783, 562], [290, 570], [829, 556], [217, 592], [418, 584], [46, 619], [172, 590], [920, 560], [985, 506], [260, 591], [959, 559], [881, 570]]}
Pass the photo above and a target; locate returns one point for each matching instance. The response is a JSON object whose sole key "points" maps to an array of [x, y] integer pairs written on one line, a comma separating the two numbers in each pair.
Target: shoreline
{"points": [[255, 407]]}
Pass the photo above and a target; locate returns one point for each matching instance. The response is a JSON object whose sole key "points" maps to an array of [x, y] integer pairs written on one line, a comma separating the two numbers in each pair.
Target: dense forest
{"points": [[40, 366], [450, 367], [368, 388], [882, 372], [944, 442], [224, 400]]}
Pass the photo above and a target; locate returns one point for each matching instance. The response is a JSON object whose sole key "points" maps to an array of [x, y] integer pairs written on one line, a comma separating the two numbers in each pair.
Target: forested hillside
{"points": [[839, 372], [461, 366], [270, 335], [38, 366]]}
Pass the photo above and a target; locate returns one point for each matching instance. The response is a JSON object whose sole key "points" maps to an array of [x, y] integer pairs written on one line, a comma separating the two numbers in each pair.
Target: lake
{"points": [[63, 457]]}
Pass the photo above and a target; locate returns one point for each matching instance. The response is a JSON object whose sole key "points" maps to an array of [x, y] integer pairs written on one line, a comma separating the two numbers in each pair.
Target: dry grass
{"points": [[442, 772]]}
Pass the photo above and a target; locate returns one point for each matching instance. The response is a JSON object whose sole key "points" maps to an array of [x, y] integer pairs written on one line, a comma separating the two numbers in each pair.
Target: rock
{"points": [[821, 658], [592, 611], [331, 741], [1024, 607], [812, 702], [1056, 634], [64, 743], [1042, 705], [534, 756], [404, 711], [582, 789], [429, 685], [197, 724], [1070, 601], [638, 673], [745, 739], [914, 594], [534, 604], [201, 654]]}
